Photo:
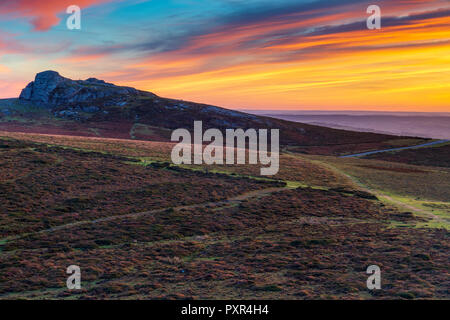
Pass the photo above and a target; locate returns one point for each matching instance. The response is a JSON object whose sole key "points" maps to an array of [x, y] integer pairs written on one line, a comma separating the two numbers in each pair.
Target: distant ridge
{"points": [[435, 125]]}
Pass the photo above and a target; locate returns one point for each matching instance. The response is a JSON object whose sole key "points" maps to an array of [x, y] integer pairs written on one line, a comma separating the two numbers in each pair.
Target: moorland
{"points": [[97, 189]]}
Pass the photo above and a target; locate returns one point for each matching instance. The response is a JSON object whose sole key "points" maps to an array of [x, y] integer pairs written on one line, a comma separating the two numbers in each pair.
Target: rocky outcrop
{"points": [[49, 89]]}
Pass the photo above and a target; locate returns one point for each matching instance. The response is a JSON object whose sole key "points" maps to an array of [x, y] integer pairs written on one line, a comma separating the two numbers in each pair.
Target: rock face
{"points": [[49, 89]]}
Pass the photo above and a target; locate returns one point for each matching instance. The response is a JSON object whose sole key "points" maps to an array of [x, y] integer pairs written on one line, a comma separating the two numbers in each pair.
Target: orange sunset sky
{"points": [[240, 54]]}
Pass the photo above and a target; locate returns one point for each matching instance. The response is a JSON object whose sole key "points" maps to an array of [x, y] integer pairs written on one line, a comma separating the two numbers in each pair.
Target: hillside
{"points": [[57, 105], [86, 179], [142, 229]]}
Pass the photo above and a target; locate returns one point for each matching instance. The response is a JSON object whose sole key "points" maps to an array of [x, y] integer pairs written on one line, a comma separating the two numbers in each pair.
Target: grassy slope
{"points": [[436, 156], [424, 190], [154, 118], [288, 243]]}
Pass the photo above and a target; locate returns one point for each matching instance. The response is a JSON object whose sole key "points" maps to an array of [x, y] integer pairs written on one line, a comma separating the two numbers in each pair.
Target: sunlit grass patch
{"points": [[434, 219]]}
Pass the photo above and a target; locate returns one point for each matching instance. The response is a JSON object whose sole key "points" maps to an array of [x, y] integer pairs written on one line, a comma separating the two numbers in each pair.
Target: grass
{"points": [[436, 218], [404, 142], [151, 230], [431, 156], [405, 187], [424, 205], [289, 183], [422, 182]]}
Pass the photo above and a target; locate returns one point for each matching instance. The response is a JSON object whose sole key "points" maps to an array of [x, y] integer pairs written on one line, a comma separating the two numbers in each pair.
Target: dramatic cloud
{"points": [[251, 53], [42, 14]]}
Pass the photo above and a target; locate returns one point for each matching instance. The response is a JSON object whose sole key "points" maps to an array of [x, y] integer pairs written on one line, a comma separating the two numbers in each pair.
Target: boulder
{"points": [[50, 89]]}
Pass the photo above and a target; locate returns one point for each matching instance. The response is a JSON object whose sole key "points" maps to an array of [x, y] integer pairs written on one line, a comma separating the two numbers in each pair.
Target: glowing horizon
{"points": [[311, 55]]}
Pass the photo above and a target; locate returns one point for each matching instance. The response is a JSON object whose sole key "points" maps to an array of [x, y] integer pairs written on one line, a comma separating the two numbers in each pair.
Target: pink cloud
{"points": [[42, 14]]}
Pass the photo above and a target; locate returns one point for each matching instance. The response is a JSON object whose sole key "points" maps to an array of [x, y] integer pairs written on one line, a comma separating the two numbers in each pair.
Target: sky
{"points": [[240, 54]]}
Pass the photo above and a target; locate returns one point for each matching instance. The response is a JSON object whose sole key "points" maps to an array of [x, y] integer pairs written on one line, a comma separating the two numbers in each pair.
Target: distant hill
{"points": [[57, 105]]}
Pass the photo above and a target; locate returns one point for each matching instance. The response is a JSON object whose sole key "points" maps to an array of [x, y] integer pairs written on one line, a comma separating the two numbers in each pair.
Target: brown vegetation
{"points": [[436, 156], [164, 232]]}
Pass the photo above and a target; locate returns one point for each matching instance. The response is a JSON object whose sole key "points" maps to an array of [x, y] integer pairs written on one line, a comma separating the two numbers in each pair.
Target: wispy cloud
{"points": [[42, 14], [258, 53]]}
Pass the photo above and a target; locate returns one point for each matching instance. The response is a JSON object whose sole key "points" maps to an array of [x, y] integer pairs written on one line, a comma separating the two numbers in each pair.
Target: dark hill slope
{"points": [[54, 104]]}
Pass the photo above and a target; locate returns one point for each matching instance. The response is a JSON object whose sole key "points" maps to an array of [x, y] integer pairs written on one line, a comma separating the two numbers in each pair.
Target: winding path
{"points": [[394, 149], [380, 195], [221, 203]]}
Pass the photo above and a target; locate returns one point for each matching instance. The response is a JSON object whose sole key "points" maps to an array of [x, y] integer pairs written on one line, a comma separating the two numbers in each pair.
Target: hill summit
{"points": [[95, 107], [50, 89]]}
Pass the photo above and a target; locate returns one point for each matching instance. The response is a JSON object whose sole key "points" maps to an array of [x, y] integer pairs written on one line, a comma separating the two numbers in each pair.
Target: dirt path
{"points": [[410, 207], [395, 149], [223, 203], [382, 195]]}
